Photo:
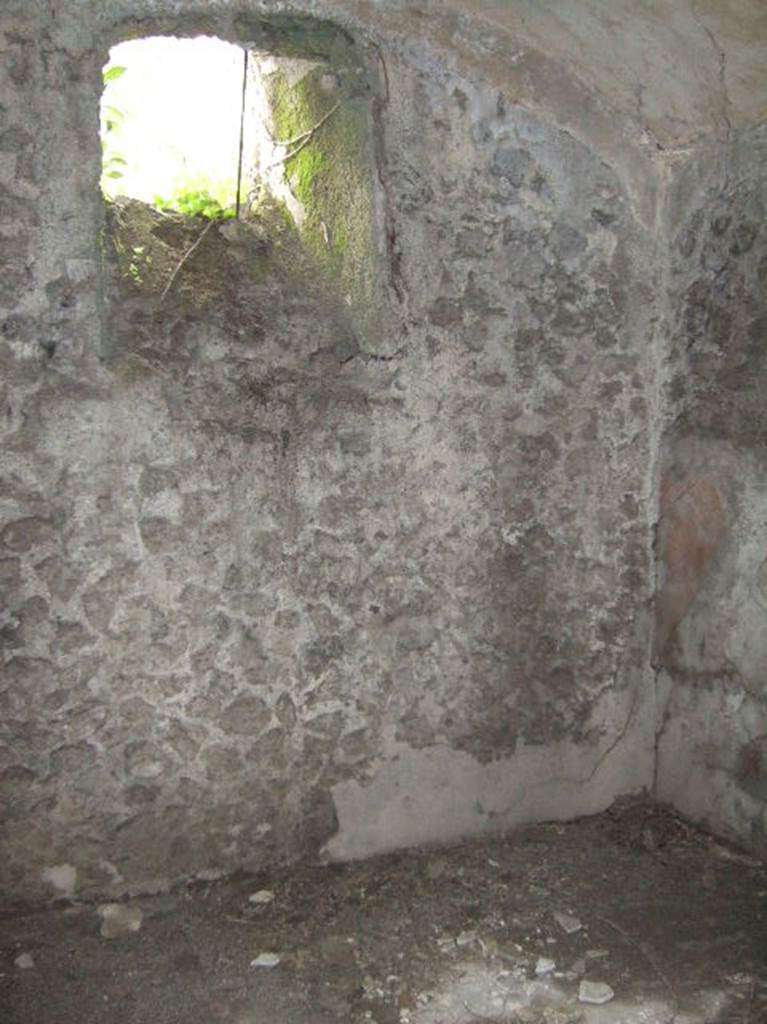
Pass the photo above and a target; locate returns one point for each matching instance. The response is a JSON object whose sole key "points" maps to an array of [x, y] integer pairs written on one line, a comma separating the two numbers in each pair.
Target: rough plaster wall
{"points": [[528, 306], [712, 606], [259, 587]]}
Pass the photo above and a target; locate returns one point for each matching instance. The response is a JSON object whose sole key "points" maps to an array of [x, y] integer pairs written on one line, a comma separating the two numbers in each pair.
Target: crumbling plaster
{"points": [[272, 590]]}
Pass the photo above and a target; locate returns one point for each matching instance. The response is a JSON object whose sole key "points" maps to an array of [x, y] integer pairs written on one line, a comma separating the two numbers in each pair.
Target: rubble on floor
{"points": [[581, 923]]}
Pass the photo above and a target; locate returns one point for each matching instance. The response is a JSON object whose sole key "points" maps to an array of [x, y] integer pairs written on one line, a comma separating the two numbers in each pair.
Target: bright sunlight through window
{"points": [[170, 123]]}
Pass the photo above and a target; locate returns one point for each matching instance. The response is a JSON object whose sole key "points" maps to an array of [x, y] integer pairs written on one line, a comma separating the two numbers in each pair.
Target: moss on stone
{"points": [[331, 176], [339, 243], [304, 170]]}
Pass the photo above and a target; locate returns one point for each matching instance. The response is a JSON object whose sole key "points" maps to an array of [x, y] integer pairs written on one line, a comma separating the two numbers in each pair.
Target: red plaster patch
{"points": [[691, 528]]}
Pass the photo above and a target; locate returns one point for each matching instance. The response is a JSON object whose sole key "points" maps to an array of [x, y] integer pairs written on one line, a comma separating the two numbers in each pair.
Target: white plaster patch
{"points": [[62, 877], [439, 794]]}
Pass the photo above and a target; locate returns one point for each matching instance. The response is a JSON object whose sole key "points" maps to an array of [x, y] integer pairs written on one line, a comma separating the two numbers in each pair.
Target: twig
{"points": [[309, 131], [185, 257], [751, 994], [479, 1016], [650, 959], [303, 139]]}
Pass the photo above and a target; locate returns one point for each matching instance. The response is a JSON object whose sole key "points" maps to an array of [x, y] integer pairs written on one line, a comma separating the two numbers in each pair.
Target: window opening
{"points": [[277, 132], [172, 124]]}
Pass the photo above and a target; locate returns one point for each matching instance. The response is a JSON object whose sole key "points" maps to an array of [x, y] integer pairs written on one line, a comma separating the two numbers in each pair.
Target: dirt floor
{"points": [[673, 921]]}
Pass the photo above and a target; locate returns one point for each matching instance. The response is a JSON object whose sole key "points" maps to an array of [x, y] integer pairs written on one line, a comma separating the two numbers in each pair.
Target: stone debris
{"points": [[266, 960], [25, 961], [63, 878], [596, 992], [118, 920], [465, 939], [567, 922], [544, 966], [649, 840], [262, 897]]}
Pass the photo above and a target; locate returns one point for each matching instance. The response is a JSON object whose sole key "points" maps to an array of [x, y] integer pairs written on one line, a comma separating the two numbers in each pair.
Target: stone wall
{"points": [[711, 641], [274, 587]]}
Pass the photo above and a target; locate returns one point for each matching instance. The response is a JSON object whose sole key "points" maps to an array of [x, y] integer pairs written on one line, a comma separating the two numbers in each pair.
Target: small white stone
{"points": [[262, 897], [117, 920], [267, 960], [24, 961], [544, 966], [63, 878], [596, 992], [465, 939], [567, 922]]}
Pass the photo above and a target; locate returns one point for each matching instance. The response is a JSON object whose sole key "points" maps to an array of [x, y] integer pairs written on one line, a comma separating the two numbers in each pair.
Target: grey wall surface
{"points": [[712, 605], [270, 592]]}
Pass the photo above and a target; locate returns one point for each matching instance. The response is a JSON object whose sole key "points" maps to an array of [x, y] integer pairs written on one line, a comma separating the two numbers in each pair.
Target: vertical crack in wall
{"points": [[659, 419], [722, 60]]}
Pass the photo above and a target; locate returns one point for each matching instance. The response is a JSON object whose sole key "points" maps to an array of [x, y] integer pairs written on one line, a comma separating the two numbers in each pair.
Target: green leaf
{"points": [[192, 200], [114, 113], [113, 73]]}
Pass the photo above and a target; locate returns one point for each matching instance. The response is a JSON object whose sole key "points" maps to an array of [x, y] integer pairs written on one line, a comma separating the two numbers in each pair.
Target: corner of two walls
{"points": [[711, 608]]}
